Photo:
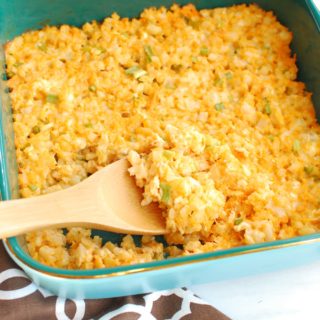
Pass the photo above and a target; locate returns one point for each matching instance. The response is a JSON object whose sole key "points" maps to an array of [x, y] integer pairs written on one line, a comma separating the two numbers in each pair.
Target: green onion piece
{"points": [[177, 67], [52, 98], [195, 24], [220, 24], [267, 108], [140, 74], [36, 129], [237, 221], [229, 75], [125, 34], [194, 59], [271, 137], [218, 82], [18, 64], [169, 85], [149, 53], [10, 74], [42, 46], [132, 70], [32, 187], [86, 49], [168, 154], [92, 88], [165, 192], [88, 125], [219, 106], [136, 72], [296, 146], [204, 51], [102, 50], [308, 169]]}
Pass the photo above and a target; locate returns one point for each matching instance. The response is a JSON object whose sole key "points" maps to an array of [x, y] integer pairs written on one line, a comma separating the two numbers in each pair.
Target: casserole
{"points": [[163, 274]]}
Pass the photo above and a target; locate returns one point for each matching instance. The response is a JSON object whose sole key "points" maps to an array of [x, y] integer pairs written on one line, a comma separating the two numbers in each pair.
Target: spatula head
{"points": [[120, 198]]}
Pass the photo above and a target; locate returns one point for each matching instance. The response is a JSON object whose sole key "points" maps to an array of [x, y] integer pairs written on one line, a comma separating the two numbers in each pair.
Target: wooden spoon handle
{"points": [[75, 206], [55, 209]]}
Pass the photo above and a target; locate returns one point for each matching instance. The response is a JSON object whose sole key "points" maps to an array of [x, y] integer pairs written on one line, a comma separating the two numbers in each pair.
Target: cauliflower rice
{"points": [[204, 104]]}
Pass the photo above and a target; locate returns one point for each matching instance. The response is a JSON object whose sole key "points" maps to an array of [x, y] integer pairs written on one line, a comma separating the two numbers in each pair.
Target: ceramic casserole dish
{"points": [[17, 16]]}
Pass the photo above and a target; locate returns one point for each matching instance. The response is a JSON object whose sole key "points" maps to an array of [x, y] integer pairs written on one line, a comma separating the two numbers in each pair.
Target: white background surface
{"points": [[292, 294]]}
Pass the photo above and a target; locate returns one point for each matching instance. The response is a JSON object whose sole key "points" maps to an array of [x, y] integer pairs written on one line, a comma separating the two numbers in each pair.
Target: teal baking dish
{"points": [[17, 16]]}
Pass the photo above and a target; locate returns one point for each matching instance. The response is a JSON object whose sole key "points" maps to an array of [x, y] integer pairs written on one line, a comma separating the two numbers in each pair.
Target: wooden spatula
{"points": [[107, 200]]}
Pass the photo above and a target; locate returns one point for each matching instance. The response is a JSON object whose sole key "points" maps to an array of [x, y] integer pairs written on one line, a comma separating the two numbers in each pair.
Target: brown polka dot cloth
{"points": [[20, 299]]}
